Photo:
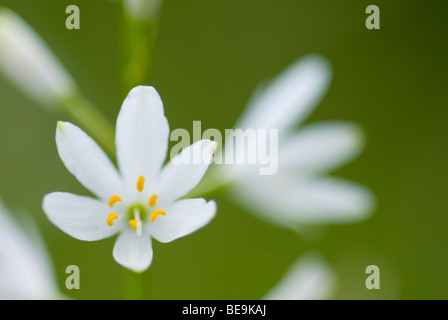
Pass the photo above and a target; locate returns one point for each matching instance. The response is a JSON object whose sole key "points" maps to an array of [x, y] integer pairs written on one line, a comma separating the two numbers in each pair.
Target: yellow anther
{"points": [[113, 200], [156, 213], [133, 224], [110, 219], [152, 200], [141, 183]]}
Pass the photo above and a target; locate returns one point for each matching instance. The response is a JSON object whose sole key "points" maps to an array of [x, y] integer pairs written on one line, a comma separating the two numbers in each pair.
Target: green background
{"points": [[209, 57]]}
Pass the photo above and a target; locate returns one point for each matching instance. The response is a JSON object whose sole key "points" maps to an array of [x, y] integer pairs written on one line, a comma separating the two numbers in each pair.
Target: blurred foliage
{"points": [[209, 57]]}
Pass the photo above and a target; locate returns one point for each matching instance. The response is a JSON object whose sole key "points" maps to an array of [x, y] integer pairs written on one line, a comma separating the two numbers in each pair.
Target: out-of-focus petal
{"points": [[322, 146], [28, 62], [25, 270], [290, 200], [290, 98], [144, 10], [309, 278]]}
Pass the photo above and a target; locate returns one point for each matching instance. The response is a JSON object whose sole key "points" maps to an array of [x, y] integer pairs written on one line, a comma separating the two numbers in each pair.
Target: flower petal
{"points": [[133, 252], [25, 268], [141, 136], [83, 218], [322, 146], [309, 278], [86, 161], [182, 218], [289, 200], [185, 170], [28, 61], [290, 98]]}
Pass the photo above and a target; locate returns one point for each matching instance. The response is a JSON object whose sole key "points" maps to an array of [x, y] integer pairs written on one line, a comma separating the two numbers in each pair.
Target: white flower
{"points": [[300, 192], [28, 62], [25, 270], [140, 200], [309, 278]]}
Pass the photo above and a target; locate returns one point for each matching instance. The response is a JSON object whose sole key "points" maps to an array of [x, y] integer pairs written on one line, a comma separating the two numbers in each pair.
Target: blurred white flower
{"points": [[300, 192], [309, 278], [139, 202], [143, 10], [28, 62], [25, 268]]}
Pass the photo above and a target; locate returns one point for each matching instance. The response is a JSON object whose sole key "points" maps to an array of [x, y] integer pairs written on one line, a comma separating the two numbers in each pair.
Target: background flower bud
{"points": [[142, 9], [29, 63]]}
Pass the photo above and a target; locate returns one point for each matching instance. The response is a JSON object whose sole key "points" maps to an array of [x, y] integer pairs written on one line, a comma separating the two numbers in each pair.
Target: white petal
{"points": [[29, 63], [185, 171], [133, 252], [289, 200], [141, 136], [86, 161], [83, 218], [322, 146], [182, 218], [290, 98], [25, 268], [309, 278]]}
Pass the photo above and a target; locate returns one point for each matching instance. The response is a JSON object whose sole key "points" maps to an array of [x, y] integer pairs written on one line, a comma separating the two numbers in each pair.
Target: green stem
{"points": [[138, 38], [134, 285], [91, 120]]}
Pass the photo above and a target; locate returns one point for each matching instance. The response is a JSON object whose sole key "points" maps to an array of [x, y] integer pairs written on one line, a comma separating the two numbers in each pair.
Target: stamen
{"points": [[141, 183], [152, 201], [133, 224], [156, 213], [113, 200], [110, 219]]}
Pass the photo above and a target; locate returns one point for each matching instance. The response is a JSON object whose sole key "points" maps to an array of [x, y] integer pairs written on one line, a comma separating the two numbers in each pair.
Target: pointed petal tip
{"points": [[355, 133], [63, 126], [290, 97], [85, 159], [352, 129], [359, 135], [212, 207], [317, 61], [213, 145], [60, 125]]}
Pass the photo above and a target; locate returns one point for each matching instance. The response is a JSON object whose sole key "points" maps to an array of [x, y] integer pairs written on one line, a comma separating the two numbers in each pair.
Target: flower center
{"points": [[137, 208], [136, 213]]}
